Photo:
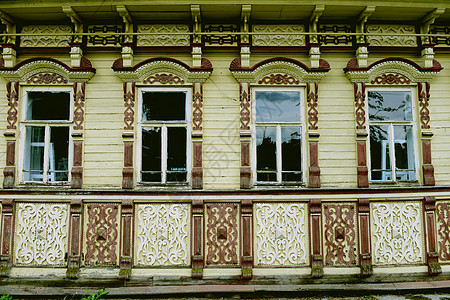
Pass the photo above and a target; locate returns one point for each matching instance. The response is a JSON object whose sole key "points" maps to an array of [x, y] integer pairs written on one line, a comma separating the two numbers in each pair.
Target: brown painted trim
{"points": [[315, 212], [365, 256], [362, 170], [197, 239], [9, 171], [324, 66], [6, 238], [352, 65], [432, 258], [314, 169], [76, 232], [85, 66], [247, 239], [427, 167], [206, 65], [197, 169], [126, 256]]}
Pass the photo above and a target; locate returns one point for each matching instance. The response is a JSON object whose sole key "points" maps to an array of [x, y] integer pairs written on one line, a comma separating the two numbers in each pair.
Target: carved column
{"points": [[197, 135], [126, 257], [7, 232], [9, 172], [247, 238], [365, 256], [361, 134], [79, 91], [432, 259], [197, 238], [315, 212], [75, 230], [427, 166], [313, 134], [129, 89], [245, 136]]}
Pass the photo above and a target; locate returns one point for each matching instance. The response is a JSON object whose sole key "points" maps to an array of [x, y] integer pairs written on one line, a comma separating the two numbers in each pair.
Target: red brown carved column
{"points": [[432, 259], [129, 89], [315, 212], [361, 133], [9, 172], [247, 238], [365, 256], [427, 166], [7, 232], [197, 136], [313, 134], [245, 135], [79, 91], [75, 231], [197, 238], [126, 257]]}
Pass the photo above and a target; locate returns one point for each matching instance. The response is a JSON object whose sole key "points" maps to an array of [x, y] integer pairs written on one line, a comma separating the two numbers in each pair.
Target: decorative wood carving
{"points": [[424, 98], [164, 39], [427, 167], [164, 79], [278, 79], [312, 99], [244, 90], [365, 256], [101, 234], [247, 238], [197, 238], [335, 40], [126, 260], [246, 173], [49, 40], [429, 204], [197, 167], [360, 99], [390, 79], [6, 237], [78, 112], [197, 111], [340, 234], [281, 234], [128, 98], [362, 170], [222, 234], [314, 169], [278, 39], [9, 171], [47, 78], [105, 40], [41, 234], [74, 254], [315, 211], [128, 169], [397, 233], [12, 91], [443, 230], [212, 39], [392, 39]]}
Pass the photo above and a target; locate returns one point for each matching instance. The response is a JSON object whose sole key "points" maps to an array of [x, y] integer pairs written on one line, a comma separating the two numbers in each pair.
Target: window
{"points": [[278, 131], [45, 131], [392, 135], [164, 136]]}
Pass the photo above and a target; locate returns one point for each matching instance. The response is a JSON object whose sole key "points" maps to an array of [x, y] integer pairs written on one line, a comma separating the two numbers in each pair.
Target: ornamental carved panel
{"points": [[391, 39], [245, 106], [443, 230], [49, 40], [335, 40], [222, 234], [12, 91], [443, 40], [79, 90], [102, 230], [47, 78], [281, 234], [278, 39], [424, 101], [165, 38], [340, 239], [391, 79], [162, 235], [41, 234], [397, 233]]}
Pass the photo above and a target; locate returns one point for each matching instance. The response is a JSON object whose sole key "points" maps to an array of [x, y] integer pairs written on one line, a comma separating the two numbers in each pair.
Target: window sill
{"points": [[394, 183], [65, 184], [153, 185]]}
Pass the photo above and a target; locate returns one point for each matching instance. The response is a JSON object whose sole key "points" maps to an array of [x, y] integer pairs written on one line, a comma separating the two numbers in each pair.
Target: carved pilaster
{"points": [[196, 39], [245, 39], [361, 134], [365, 256], [126, 251], [9, 172], [197, 136], [6, 238], [432, 258], [197, 238], [315, 212], [245, 136], [128, 136], [427, 166], [314, 169], [79, 91], [74, 256], [247, 238]]}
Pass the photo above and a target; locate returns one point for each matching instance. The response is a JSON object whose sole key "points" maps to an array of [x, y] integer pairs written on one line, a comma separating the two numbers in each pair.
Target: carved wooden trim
{"points": [[47, 78], [362, 170], [12, 93], [197, 107], [245, 182], [312, 99], [79, 98], [164, 79], [245, 102], [197, 167], [278, 79], [247, 238], [390, 79], [77, 169], [128, 169], [74, 255], [315, 211], [365, 256], [360, 112], [432, 258], [126, 259], [197, 238], [129, 100], [424, 98], [9, 171], [427, 166], [6, 237], [314, 169]]}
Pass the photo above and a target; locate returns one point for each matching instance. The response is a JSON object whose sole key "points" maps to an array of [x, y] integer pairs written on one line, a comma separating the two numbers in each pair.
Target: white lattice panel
{"points": [[45, 40], [278, 39], [397, 233], [41, 234], [164, 37], [391, 39], [281, 234], [162, 234]]}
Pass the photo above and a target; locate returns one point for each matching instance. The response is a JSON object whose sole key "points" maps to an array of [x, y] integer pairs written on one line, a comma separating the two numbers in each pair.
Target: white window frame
{"points": [[47, 124], [302, 124], [391, 125], [164, 125]]}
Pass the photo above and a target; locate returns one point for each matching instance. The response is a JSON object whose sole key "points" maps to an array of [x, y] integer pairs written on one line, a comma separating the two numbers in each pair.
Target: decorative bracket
{"points": [[245, 39], [196, 39], [9, 51], [362, 52], [10, 26], [75, 48], [427, 21], [314, 45], [127, 50]]}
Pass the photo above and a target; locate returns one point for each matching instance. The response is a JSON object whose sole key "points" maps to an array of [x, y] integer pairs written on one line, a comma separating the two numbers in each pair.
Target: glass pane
{"points": [[277, 106], [33, 165], [379, 153], [58, 154], [176, 154], [404, 153], [266, 153], [151, 154], [48, 105], [164, 106], [390, 106], [291, 153]]}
